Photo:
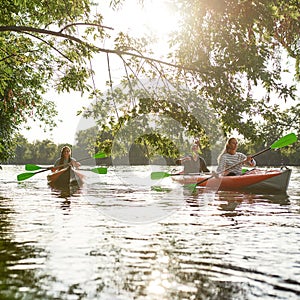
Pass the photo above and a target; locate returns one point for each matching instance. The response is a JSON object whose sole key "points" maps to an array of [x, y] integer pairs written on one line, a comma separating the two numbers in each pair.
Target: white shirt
{"points": [[227, 160]]}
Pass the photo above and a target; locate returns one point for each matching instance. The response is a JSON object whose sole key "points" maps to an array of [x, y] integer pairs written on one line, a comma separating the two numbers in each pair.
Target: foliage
{"points": [[222, 53], [46, 152], [157, 119], [226, 51], [39, 152], [234, 48], [35, 56]]}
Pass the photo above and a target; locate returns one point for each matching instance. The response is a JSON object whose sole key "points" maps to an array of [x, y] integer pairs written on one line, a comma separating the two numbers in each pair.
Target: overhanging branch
{"points": [[27, 29], [85, 24]]}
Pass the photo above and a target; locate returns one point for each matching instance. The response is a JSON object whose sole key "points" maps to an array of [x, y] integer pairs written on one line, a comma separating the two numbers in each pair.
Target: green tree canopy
{"points": [[224, 50], [236, 47], [43, 45], [240, 59]]}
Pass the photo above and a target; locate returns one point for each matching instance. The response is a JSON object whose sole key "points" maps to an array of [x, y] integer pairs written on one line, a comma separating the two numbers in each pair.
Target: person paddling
{"points": [[193, 163], [65, 160], [230, 157]]}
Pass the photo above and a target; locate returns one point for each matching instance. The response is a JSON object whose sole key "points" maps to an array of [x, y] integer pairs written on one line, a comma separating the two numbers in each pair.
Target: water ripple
{"points": [[219, 246]]}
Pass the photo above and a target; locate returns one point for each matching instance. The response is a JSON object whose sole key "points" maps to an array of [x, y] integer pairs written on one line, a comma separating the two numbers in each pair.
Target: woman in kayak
{"points": [[65, 160], [193, 163], [230, 157]]}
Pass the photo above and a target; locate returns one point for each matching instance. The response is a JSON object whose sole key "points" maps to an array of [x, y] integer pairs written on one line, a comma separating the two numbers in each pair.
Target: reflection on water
{"points": [[19, 260], [92, 244], [235, 201]]}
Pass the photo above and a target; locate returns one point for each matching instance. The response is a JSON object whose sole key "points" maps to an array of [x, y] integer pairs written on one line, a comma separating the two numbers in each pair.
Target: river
{"points": [[123, 236]]}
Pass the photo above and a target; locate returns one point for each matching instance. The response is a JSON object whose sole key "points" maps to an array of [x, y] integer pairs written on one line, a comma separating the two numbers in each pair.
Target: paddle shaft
{"points": [[80, 160], [261, 152], [229, 168], [25, 176]]}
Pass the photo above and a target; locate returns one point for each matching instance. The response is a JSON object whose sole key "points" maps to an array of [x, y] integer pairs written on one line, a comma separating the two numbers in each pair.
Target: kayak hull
{"points": [[65, 178], [257, 180]]}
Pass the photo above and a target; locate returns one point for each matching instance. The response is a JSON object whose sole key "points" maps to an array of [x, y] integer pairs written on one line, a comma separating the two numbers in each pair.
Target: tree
{"points": [[23, 150], [236, 47], [44, 152], [224, 50], [46, 44], [39, 50]]}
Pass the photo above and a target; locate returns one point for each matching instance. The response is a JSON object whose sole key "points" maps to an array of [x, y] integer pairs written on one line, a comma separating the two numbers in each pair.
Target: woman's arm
{"points": [[183, 159], [203, 167], [75, 163]]}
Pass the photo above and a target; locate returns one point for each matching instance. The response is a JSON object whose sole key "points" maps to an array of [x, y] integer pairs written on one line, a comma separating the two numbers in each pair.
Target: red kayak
{"points": [[276, 180], [65, 178]]}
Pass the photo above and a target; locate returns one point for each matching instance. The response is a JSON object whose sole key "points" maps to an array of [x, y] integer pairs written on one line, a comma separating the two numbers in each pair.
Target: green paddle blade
{"points": [[99, 170], [25, 176], [100, 155], [190, 186], [284, 141], [244, 170], [160, 189], [159, 175], [30, 167]]}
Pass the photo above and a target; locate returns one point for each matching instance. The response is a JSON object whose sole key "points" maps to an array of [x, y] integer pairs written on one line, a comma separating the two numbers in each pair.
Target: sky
{"points": [[133, 18]]}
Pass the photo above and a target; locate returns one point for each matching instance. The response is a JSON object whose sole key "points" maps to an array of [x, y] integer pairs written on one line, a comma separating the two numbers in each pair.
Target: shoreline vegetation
{"points": [[46, 152]]}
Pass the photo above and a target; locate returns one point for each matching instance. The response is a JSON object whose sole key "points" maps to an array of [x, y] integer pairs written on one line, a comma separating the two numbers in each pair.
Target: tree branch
{"points": [[37, 37], [27, 29], [86, 24]]}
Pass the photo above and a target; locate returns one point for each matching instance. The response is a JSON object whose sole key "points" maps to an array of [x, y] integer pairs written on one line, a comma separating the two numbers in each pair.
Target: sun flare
{"points": [[153, 17], [160, 17]]}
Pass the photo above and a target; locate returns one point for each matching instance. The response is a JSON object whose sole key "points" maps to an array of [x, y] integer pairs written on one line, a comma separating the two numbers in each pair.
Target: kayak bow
{"points": [[65, 178]]}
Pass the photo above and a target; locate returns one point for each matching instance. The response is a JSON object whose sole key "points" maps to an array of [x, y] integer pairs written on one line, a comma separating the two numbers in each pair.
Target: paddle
{"points": [[161, 175], [96, 170], [31, 167], [25, 176], [282, 142]]}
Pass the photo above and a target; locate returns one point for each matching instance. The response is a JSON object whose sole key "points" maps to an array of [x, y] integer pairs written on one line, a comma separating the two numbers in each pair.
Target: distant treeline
{"points": [[46, 152], [40, 152]]}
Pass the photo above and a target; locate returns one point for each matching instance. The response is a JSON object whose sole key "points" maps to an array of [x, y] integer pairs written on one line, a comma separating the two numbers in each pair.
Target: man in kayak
{"points": [[65, 160], [193, 163], [230, 157]]}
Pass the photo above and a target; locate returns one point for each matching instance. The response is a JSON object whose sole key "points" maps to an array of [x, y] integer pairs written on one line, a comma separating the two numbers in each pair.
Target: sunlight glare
{"points": [[155, 17], [160, 18]]}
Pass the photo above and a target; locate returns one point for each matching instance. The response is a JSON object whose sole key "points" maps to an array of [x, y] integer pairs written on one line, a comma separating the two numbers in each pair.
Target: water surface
{"points": [[120, 238]]}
